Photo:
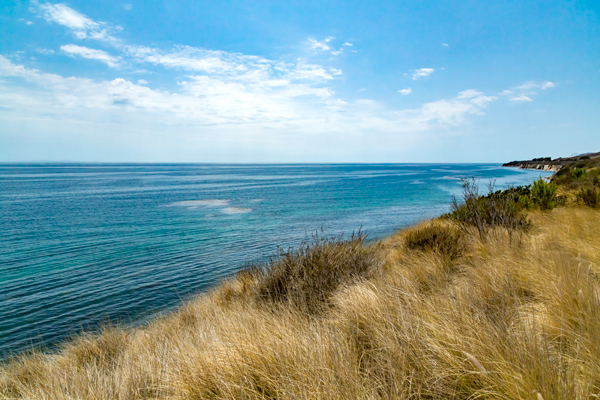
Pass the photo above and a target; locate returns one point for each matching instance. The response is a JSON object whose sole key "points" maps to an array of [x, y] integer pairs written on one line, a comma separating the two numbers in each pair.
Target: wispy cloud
{"points": [[81, 26], [521, 97], [422, 73], [524, 91], [405, 91], [445, 44], [322, 45], [326, 46], [547, 85], [454, 111], [216, 101], [91, 54]]}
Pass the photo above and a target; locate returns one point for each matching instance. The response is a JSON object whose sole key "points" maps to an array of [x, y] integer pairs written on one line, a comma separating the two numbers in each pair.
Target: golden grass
{"points": [[516, 319]]}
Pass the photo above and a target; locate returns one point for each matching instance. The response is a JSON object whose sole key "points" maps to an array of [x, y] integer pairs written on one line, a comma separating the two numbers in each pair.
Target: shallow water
{"points": [[81, 244]]}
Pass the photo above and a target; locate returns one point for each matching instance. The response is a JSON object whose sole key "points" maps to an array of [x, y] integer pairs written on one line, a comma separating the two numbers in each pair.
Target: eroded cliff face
{"points": [[543, 167], [587, 160]]}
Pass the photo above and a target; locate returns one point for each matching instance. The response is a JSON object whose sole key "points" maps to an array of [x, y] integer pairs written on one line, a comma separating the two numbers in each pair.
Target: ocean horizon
{"points": [[83, 244]]}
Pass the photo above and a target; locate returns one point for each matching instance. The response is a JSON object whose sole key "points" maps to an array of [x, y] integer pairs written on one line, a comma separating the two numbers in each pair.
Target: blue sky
{"points": [[298, 81]]}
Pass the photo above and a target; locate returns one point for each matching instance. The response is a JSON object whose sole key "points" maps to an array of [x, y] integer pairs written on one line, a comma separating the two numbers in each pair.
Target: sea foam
{"points": [[192, 204]]}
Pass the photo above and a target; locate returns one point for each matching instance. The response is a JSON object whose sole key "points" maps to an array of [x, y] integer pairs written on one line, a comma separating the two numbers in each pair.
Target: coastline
{"points": [[438, 301], [142, 271]]}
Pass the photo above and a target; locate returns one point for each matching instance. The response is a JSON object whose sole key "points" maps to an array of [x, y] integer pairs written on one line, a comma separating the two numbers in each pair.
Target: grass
{"points": [[307, 277], [436, 311]]}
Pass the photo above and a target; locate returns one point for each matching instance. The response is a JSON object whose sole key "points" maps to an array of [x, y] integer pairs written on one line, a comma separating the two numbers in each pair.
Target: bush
{"points": [[564, 176], [496, 209], [525, 203], [589, 197], [308, 276], [579, 174], [444, 240], [543, 194]]}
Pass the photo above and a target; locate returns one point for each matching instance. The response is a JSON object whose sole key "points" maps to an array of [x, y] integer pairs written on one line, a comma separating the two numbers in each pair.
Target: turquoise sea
{"points": [[83, 244]]}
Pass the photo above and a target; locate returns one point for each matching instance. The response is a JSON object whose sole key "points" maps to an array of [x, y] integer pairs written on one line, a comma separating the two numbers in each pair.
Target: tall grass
{"points": [[308, 276], [446, 316]]}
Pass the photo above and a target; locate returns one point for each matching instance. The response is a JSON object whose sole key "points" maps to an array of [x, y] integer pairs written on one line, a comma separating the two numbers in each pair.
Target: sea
{"points": [[83, 245]]}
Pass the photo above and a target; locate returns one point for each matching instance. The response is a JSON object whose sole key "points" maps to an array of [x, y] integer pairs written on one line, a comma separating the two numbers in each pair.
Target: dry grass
{"points": [[307, 277], [497, 321]]}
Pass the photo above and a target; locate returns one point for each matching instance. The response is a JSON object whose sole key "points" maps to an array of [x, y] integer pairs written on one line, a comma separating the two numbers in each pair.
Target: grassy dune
{"points": [[434, 312]]}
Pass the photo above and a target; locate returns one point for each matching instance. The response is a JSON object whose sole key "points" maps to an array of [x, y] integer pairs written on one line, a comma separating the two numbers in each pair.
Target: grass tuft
{"points": [[447, 241], [307, 277]]}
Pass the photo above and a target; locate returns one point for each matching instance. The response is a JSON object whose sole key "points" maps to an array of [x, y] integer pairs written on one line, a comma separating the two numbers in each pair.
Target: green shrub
{"points": [[307, 277], [594, 175], [543, 194], [446, 241], [525, 203], [579, 174]]}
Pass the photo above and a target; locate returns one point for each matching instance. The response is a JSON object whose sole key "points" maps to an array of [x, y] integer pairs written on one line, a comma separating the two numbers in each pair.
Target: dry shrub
{"points": [[307, 277], [589, 196]]}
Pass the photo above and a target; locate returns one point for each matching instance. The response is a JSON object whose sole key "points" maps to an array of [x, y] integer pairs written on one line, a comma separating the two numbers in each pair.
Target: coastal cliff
{"points": [[548, 164]]}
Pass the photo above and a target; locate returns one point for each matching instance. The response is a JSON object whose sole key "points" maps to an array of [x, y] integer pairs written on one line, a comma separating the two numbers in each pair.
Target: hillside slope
{"points": [[437, 314]]}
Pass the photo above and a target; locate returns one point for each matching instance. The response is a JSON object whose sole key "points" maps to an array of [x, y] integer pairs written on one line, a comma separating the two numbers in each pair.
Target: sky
{"points": [[298, 81]]}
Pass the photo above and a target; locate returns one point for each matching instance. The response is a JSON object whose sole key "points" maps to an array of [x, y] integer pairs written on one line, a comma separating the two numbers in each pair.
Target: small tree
{"points": [[544, 194]]}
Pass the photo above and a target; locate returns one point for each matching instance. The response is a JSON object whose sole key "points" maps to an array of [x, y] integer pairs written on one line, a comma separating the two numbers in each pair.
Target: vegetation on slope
{"points": [[589, 160], [500, 299]]}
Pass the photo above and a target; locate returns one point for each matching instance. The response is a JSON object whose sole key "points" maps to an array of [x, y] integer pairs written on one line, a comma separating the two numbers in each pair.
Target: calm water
{"points": [[83, 244]]}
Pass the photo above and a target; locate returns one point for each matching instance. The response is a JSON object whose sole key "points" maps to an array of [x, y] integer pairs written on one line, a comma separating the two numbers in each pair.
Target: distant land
{"points": [[548, 164]]}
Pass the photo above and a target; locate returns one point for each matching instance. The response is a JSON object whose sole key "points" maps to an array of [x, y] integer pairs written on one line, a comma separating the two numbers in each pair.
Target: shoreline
{"points": [[432, 299]]}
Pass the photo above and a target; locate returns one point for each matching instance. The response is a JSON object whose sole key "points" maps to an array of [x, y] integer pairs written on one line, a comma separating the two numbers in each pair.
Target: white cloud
{"points": [[325, 46], [215, 101], [142, 82], [405, 91], [468, 94], [524, 91], [547, 85], [318, 46], [91, 54], [521, 97], [421, 73], [81, 26], [445, 44], [45, 51], [127, 7], [190, 58], [454, 111], [234, 66]]}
